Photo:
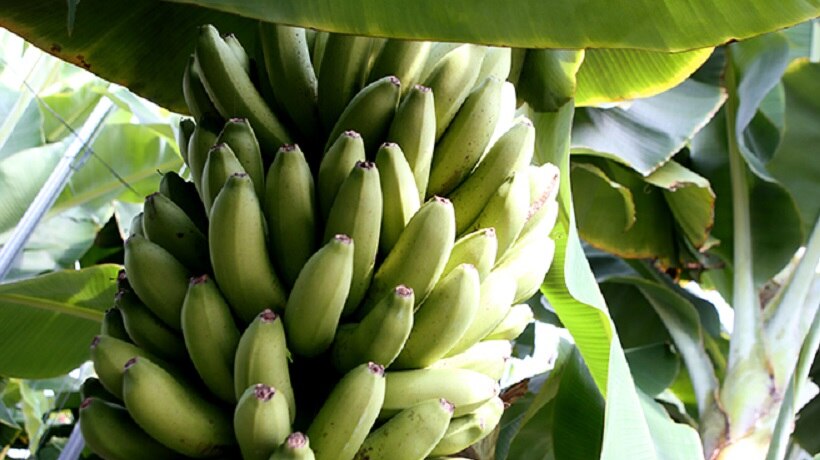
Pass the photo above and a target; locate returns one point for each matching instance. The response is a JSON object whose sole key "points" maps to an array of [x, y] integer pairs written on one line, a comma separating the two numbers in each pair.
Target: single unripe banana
{"points": [[477, 249], [410, 435], [148, 331], [239, 253], [239, 136], [112, 434], [262, 357], [400, 196], [369, 113], [290, 208], [113, 325], [221, 164], [197, 99], [380, 336], [231, 89], [489, 358], [93, 388], [109, 355], [211, 337], [496, 63], [342, 71], [414, 129], [357, 212], [441, 319], [513, 324], [347, 415], [511, 152], [451, 81], [318, 297], [184, 132], [238, 51], [136, 225], [420, 254], [170, 411], [403, 58], [506, 211], [203, 138], [261, 421], [466, 389], [339, 160], [185, 195], [462, 145], [543, 205], [295, 447], [466, 431], [497, 293], [158, 278], [167, 225]]}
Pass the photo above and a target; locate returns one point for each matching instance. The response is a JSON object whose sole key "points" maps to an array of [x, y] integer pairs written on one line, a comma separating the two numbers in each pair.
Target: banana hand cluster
{"points": [[342, 275]]}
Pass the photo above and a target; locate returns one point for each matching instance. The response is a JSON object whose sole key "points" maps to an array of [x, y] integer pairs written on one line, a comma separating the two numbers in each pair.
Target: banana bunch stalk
{"points": [[342, 271]]}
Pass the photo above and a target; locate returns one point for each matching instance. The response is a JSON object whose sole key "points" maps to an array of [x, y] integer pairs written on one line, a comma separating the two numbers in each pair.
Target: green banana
{"points": [[287, 60], [196, 98], [184, 132], [357, 212], [496, 63], [463, 144], [136, 226], [466, 431], [339, 160], [437, 51], [239, 254], [528, 261], [400, 196], [318, 297], [543, 205], [344, 420], [506, 211], [211, 337], [380, 336], [513, 324], [295, 447], [369, 113], [238, 51], [497, 293], [170, 411], [477, 249], [157, 277], [420, 254], [109, 355], [231, 89], [113, 325], [466, 389], [262, 357], [342, 71], [451, 81], [402, 58], [112, 434], [93, 388], [148, 331], [238, 135], [414, 129], [203, 138], [167, 225], [489, 358], [510, 153], [441, 319], [222, 162], [410, 435], [261, 421], [290, 208], [185, 195]]}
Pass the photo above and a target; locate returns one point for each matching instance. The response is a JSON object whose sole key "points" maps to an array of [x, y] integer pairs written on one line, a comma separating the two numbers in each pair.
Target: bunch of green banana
{"points": [[339, 270]]}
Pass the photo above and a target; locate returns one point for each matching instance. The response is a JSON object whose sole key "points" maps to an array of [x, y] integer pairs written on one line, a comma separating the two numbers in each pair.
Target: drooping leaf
{"points": [[601, 202], [654, 367], [47, 322]]}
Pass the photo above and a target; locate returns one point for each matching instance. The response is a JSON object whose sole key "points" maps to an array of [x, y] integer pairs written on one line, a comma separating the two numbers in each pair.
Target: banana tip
{"points": [[86, 402], [95, 341], [447, 405], [296, 440], [352, 134], [130, 363], [288, 148], [366, 164], [441, 199], [263, 392], [199, 279], [394, 80], [404, 291], [268, 316], [342, 238], [377, 369], [422, 88]]}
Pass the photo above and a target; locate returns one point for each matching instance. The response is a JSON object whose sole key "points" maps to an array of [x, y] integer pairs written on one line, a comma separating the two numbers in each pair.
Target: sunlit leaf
{"points": [[22, 175]]}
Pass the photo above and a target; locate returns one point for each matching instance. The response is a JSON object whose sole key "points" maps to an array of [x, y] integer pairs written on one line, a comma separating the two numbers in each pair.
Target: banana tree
{"points": [[680, 185]]}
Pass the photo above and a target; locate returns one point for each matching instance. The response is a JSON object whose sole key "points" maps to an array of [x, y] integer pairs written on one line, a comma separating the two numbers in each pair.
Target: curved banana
{"points": [[496, 63], [400, 194], [238, 51], [477, 249], [167, 225], [318, 297], [402, 58], [357, 212], [380, 336], [112, 434], [185, 195], [261, 421], [211, 337], [451, 81], [231, 89], [295, 447], [466, 389], [184, 132], [339, 160], [497, 294], [510, 153], [506, 211], [173, 413], [200, 143], [196, 98], [466, 431], [460, 148], [410, 435], [369, 113], [414, 129], [528, 261], [344, 420], [342, 71], [109, 355], [543, 205], [441, 319], [113, 325], [239, 136], [489, 358], [262, 357], [221, 164], [158, 278], [239, 254], [513, 324], [290, 208], [148, 331]]}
